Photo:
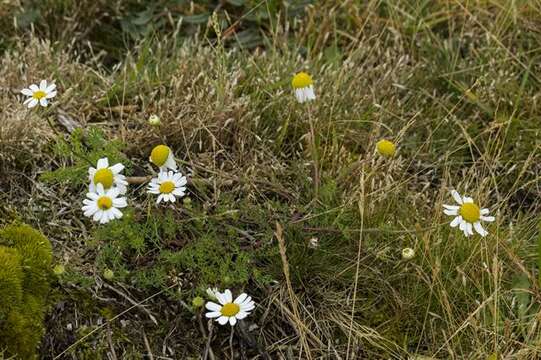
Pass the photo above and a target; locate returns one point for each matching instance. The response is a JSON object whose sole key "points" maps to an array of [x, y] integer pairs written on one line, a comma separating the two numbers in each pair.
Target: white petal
{"points": [[43, 85], [27, 92], [120, 202], [50, 95], [240, 299], [116, 168], [479, 228], [97, 215], [213, 314], [34, 88], [100, 190], [467, 199], [450, 212], [212, 306], [170, 162], [223, 320], [484, 211], [469, 228], [451, 207], [456, 196], [50, 88], [32, 103], [228, 296], [103, 163], [92, 195], [221, 298], [232, 321], [456, 221], [241, 315], [116, 213], [488, 218], [43, 102]]}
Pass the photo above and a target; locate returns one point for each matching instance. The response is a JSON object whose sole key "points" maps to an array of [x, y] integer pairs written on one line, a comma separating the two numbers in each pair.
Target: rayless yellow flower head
{"points": [[162, 157], [39, 94], [228, 310], [304, 87], [468, 215], [108, 176], [386, 148], [408, 253], [168, 186], [103, 205]]}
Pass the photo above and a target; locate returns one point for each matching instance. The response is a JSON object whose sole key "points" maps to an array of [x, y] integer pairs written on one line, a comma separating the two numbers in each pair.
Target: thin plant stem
{"points": [[315, 157]]}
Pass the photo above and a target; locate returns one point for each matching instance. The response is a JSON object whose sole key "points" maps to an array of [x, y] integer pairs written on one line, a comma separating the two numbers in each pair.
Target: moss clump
{"points": [[25, 255]]}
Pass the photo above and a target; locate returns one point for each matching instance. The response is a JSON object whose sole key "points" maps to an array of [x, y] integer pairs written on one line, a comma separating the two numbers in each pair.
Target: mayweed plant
{"points": [[168, 186], [468, 215], [103, 206], [39, 94], [229, 310], [386, 148], [163, 157], [304, 87], [107, 176]]}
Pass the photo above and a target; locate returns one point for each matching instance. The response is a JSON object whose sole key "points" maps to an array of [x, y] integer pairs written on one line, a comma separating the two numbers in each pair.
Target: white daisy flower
{"points": [[163, 157], [229, 310], [107, 176], [103, 205], [169, 186], [304, 87], [468, 215], [39, 94]]}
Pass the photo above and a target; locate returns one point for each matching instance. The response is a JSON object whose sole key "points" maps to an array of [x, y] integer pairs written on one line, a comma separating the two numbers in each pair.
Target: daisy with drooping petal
{"points": [[169, 186], [107, 176], [163, 157], [304, 87], [229, 310], [468, 215], [103, 205], [39, 94]]}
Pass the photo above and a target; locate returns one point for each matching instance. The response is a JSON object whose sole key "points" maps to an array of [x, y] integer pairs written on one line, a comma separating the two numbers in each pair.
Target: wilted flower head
{"points": [[304, 87]]}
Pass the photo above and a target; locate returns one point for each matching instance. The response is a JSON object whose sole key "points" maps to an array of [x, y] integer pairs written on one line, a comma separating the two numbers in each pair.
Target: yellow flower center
{"points": [[470, 212], [38, 95], [386, 148], [105, 203], [301, 80], [230, 309], [159, 155], [104, 177], [167, 187]]}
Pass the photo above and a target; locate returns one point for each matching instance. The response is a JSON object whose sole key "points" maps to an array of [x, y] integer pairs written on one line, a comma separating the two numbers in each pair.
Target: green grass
{"points": [[453, 83]]}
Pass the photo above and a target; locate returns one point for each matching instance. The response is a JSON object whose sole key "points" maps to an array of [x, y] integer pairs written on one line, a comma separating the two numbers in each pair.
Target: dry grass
{"points": [[453, 83]]}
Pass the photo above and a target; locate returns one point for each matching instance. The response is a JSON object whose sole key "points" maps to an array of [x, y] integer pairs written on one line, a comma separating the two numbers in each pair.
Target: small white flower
{"points": [[468, 215], [103, 205], [169, 186], [229, 310], [313, 243], [304, 87], [39, 94], [107, 176], [211, 293], [163, 157], [408, 253]]}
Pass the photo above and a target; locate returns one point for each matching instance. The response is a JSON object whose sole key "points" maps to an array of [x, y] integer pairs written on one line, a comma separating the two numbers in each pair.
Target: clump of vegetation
{"points": [[25, 255]]}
